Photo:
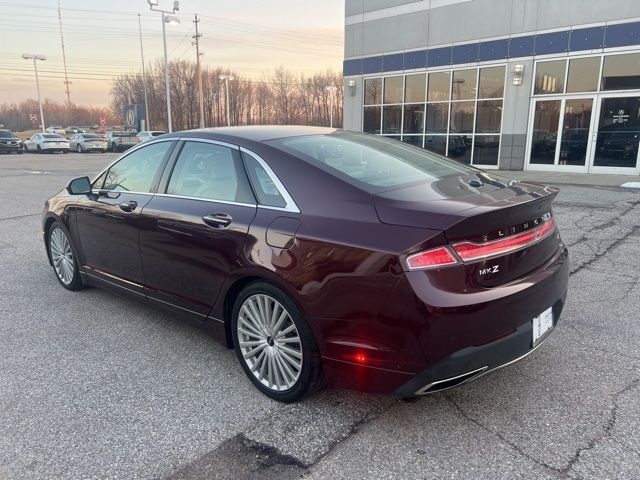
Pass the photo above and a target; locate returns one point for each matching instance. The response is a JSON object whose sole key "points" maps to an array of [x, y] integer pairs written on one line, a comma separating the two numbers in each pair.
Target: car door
{"points": [[31, 142], [108, 220], [195, 231]]}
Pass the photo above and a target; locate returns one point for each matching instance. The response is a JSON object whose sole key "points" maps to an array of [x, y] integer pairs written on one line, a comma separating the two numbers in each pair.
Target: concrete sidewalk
{"points": [[569, 178]]}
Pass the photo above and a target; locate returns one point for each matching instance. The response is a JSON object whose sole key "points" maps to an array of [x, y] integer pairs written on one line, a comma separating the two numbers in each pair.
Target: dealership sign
{"points": [[134, 117]]}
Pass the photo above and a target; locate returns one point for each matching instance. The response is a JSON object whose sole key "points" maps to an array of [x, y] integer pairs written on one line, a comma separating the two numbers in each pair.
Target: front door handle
{"points": [[217, 220], [129, 206]]}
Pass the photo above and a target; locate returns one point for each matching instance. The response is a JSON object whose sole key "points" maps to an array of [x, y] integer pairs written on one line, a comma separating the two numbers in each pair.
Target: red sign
{"points": [[103, 121], [33, 117]]}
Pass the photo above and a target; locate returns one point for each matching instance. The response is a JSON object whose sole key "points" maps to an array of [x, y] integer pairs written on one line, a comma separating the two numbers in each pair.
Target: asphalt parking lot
{"points": [[93, 385]]}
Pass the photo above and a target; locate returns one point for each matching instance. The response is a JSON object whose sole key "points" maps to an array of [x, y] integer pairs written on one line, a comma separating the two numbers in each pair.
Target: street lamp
{"points": [[226, 79], [34, 57], [167, 17], [332, 89]]}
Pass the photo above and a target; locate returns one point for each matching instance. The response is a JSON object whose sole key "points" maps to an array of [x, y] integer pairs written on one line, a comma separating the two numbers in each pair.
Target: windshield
{"points": [[5, 134], [370, 162]]}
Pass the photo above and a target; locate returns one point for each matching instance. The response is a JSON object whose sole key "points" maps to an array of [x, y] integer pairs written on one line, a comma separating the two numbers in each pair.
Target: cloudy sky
{"points": [[101, 37]]}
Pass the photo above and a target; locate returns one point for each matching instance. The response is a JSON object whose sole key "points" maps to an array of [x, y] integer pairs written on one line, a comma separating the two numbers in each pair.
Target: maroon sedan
{"points": [[322, 256]]}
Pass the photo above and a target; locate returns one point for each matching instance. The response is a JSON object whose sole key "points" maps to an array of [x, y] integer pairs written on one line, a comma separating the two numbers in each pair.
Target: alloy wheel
{"points": [[269, 342], [62, 255]]}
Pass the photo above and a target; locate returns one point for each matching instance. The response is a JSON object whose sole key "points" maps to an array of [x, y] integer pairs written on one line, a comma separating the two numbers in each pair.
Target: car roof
{"points": [[259, 133]]}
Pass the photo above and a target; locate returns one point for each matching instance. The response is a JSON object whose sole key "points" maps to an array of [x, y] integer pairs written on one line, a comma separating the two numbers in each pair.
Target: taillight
{"points": [[469, 251], [437, 257]]}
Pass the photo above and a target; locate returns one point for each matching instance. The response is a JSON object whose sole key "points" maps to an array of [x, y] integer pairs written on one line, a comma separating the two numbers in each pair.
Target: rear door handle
{"points": [[129, 206], [217, 220]]}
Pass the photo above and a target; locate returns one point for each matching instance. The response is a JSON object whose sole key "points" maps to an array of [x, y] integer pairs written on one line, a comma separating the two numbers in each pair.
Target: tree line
{"points": [[15, 116], [280, 97]]}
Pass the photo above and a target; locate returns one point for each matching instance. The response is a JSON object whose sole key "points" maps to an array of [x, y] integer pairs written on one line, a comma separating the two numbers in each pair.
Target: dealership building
{"points": [[510, 84]]}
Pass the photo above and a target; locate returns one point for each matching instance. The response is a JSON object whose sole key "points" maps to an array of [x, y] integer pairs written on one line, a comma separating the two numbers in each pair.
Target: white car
{"points": [[146, 135], [87, 142], [46, 142], [56, 129]]}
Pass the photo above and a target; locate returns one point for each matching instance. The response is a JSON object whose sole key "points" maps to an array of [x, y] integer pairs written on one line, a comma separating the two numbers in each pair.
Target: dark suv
{"points": [[9, 142]]}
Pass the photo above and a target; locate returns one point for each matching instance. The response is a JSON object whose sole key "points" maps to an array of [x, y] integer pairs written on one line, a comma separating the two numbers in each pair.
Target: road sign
{"points": [[103, 121], [33, 117]]}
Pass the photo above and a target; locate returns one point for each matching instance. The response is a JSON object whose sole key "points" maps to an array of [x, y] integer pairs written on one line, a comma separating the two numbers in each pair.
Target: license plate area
{"points": [[542, 325]]}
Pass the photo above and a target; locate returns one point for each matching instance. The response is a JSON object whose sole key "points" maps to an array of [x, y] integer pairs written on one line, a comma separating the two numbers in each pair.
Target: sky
{"points": [[251, 37]]}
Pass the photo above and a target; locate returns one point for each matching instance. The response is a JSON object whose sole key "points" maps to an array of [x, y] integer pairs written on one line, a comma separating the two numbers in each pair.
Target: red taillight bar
{"points": [[437, 257], [469, 251]]}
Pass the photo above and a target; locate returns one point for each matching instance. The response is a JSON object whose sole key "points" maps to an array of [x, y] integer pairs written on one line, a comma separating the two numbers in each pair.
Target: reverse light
{"points": [[437, 257], [469, 251]]}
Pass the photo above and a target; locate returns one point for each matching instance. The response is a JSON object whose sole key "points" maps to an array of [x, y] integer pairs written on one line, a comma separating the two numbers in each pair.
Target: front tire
{"points": [[274, 343], [79, 148], [63, 257]]}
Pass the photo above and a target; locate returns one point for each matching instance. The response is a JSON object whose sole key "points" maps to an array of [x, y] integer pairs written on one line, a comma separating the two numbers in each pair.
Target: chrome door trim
{"points": [[186, 197]]}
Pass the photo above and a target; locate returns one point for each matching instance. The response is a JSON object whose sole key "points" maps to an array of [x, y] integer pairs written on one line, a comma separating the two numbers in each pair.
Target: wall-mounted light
{"points": [[351, 86], [518, 75]]}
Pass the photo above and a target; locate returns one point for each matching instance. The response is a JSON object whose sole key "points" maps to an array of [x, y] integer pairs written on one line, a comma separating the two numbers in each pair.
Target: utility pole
{"points": [[196, 42], [144, 81], [64, 58], [226, 79]]}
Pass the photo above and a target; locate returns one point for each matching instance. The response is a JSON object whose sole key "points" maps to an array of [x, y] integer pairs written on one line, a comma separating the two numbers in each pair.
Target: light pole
{"points": [[226, 79], [332, 90], [167, 17], [144, 80], [34, 57]]}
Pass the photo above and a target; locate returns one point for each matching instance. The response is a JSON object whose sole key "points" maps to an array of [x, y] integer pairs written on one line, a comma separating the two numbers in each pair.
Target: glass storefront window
{"points": [[545, 132], [575, 131], [372, 91], [460, 147], [491, 82], [583, 74], [488, 116], [392, 119], [413, 140], [371, 119], [621, 72], [618, 132], [438, 86], [462, 117], [485, 149], [393, 89], [463, 85], [415, 87], [437, 117], [436, 143], [413, 118], [550, 77]]}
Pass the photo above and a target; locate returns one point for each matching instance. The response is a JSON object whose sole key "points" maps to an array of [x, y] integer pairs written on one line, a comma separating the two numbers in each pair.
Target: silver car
{"points": [[146, 135], [87, 142], [46, 142]]}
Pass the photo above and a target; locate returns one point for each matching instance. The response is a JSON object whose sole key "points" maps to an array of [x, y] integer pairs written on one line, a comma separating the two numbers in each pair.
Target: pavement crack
{"points": [[610, 247], [17, 217], [556, 471], [594, 347]]}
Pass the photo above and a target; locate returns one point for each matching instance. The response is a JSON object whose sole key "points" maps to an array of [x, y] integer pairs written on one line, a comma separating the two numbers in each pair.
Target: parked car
{"points": [[56, 129], [74, 130], [322, 254], [146, 135], [87, 142], [9, 142], [120, 141], [46, 143]]}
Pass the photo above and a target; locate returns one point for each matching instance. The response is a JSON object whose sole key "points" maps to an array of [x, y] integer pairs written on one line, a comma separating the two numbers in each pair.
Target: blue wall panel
{"points": [[352, 67], [586, 39], [392, 62], [521, 46], [493, 50], [547, 43], [372, 65], [464, 53], [439, 56], [622, 34], [415, 59]]}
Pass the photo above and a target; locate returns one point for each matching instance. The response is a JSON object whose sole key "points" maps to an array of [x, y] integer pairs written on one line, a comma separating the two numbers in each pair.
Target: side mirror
{"points": [[79, 186]]}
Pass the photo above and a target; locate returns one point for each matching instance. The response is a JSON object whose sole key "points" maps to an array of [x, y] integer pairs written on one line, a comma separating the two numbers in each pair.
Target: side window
{"points": [[263, 185], [210, 171], [136, 171]]}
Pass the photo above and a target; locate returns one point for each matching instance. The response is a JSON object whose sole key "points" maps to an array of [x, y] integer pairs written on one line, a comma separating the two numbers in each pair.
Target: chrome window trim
{"points": [[98, 190], [226, 202], [290, 204]]}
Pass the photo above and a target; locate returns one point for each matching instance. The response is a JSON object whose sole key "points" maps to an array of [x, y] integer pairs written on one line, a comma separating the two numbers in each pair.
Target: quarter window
{"points": [[137, 171], [210, 171], [263, 185]]}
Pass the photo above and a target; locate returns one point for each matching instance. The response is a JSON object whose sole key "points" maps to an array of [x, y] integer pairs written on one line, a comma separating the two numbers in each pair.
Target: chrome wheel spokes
{"points": [[269, 342], [61, 255]]}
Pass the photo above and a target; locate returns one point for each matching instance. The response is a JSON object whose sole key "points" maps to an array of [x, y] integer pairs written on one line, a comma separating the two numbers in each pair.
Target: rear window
{"points": [[370, 162], [156, 134], [90, 137], [50, 135]]}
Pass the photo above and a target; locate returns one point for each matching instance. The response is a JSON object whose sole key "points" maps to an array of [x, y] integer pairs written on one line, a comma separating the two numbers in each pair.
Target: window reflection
{"points": [[621, 72], [373, 91], [550, 77], [393, 89]]}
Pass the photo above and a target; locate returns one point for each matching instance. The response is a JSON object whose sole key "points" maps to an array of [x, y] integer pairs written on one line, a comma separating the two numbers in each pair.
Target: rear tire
{"points": [[38, 149], [274, 344], [79, 148]]}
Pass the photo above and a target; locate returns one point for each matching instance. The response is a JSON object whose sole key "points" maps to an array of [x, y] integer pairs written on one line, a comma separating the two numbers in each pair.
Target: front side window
{"points": [[210, 171], [136, 171]]}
